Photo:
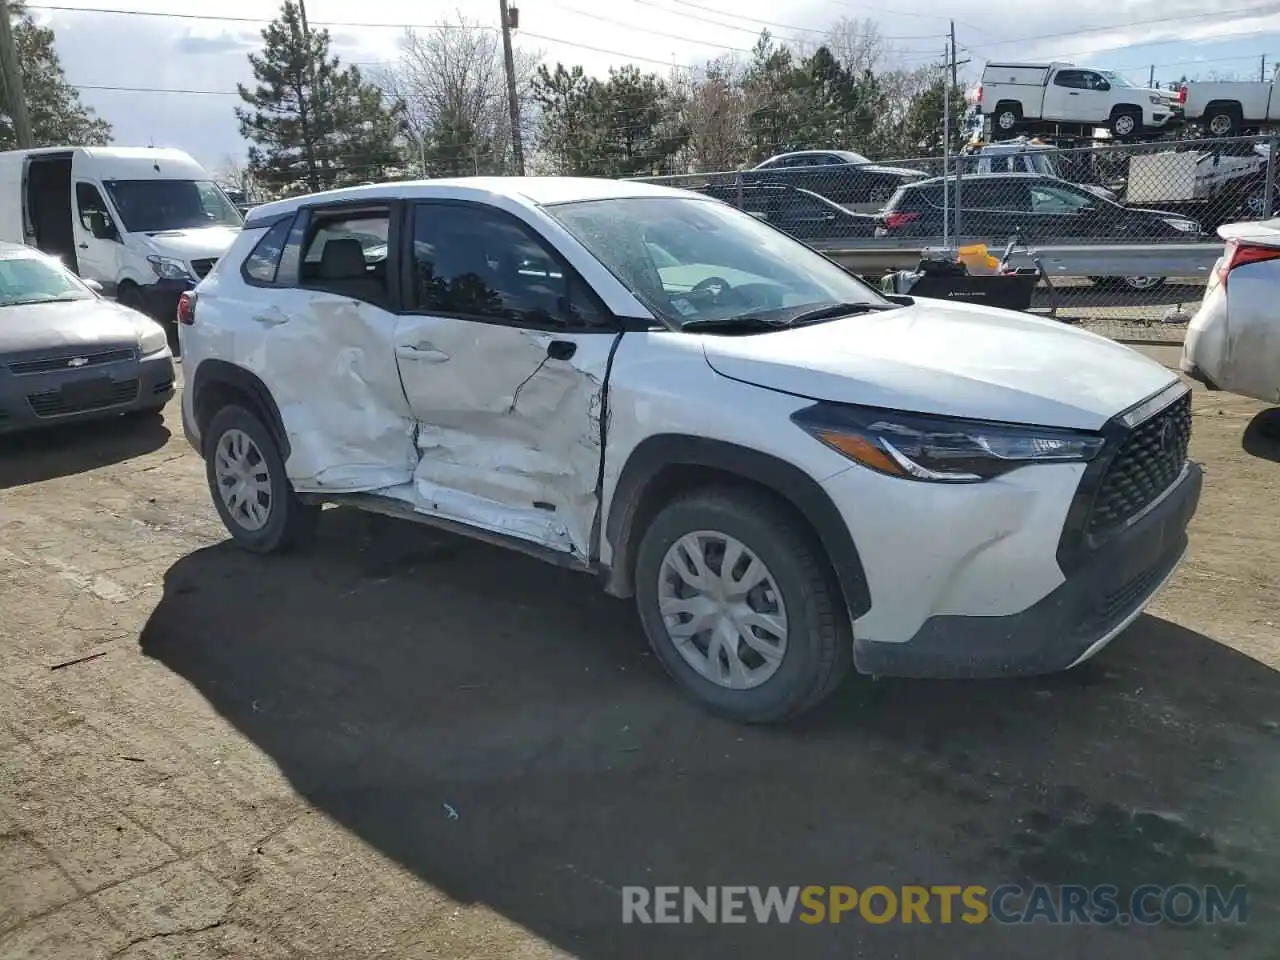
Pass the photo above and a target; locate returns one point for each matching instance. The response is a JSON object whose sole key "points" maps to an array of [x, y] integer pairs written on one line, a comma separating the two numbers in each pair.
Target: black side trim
{"points": [[213, 375], [257, 223], [643, 473]]}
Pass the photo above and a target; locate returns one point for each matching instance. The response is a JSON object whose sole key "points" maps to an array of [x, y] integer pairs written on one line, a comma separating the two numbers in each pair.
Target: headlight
{"points": [[1186, 226], [1158, 101], [167, 268], [939, 449], [151, 338]]}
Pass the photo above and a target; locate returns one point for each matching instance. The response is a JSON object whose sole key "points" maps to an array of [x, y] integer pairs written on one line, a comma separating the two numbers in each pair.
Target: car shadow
{"points": [[62, 451], [499, 728], [1262, 435]]}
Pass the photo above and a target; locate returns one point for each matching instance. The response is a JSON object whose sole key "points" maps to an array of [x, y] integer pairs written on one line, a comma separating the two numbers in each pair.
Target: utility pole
{"points": [[955, 85], [1151, 77], [11, 69], [1262, 71], [513, 101], [308, 122]]}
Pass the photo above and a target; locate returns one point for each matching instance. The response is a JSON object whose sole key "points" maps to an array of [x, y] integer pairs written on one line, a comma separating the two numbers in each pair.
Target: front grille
{"points": [[1150, 459], [71, 361], [202, 267], [52, 403]]}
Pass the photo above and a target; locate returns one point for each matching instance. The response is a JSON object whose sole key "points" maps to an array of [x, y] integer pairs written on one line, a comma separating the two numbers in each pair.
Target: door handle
{"points": [[561, 349], [424, 352], [83, 246]]}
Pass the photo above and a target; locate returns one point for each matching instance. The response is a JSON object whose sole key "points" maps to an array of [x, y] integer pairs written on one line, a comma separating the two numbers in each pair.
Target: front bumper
{"points": [[29, 401], [1072, 623], [160, 299]]}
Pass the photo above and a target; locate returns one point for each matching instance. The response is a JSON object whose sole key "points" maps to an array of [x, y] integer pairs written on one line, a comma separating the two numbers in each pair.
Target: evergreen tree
{"points": [[313, 124], [55, 112]]}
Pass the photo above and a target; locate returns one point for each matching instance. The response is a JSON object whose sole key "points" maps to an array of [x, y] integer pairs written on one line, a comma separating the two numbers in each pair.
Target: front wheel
{"points": [[741, 607], [1126, 123], [250, 491]]}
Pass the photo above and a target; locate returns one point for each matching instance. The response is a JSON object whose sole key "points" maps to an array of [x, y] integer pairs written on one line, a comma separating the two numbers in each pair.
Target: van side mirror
{"points": [[100, 226]]}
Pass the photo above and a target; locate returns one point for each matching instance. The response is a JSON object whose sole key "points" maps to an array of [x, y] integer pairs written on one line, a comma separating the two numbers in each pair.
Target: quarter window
{"points": [[261, 264]]}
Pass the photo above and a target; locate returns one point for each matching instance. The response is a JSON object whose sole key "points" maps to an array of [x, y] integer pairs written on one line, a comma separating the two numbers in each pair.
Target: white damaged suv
{"points": [[791, 474]]}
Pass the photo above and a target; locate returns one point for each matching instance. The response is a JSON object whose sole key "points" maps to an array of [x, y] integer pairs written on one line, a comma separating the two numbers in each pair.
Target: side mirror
{"points": [[100, 226], [93, 285]]}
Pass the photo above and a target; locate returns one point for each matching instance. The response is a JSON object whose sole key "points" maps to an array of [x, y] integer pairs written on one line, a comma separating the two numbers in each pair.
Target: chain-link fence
{"points": [[1126, 233]]}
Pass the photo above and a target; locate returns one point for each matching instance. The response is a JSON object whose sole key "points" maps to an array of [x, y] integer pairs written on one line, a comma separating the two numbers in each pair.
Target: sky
{"points": [[179, 69]]}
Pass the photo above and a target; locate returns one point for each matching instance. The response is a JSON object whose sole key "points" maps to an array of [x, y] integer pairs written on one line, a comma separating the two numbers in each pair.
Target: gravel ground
{"points": [[405, 745]]}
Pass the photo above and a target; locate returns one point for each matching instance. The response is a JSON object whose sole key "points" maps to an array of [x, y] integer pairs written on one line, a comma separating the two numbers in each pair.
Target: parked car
{"points": [[847, 178], [1233, 341], [1017, 95], [801, 213], [1227, 108], [790, 473], [145, 223], [1043, 209], [67, 353]]}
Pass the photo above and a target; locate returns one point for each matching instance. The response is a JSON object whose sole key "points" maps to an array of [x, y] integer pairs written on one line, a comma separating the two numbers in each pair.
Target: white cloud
{"points": [[190, 53]]}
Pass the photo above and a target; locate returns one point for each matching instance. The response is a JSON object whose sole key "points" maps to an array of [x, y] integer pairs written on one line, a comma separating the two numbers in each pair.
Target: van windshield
{"points": [[152, 206]]}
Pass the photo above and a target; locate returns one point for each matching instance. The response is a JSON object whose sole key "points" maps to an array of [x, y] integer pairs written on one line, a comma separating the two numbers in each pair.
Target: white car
{"points": [[1233, 341], [791, 474]]}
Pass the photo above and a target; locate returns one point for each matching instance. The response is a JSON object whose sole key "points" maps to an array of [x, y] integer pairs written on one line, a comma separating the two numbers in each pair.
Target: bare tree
{"points": [[233, 171], [854, 41], [452, 82], [716, 110]]}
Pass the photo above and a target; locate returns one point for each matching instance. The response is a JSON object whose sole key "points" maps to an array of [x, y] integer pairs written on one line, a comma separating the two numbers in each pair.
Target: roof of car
{"points": [[969, 177], [538, 191], [16, 251]]}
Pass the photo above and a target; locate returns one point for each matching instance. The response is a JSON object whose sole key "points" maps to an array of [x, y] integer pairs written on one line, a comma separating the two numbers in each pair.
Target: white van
{"points": [[145, 223]]}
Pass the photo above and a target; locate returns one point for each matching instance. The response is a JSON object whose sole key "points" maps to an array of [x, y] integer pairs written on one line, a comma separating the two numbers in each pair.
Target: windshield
{"points": [[1115, 79], [697, 260], [35, 280], [152, 206]]}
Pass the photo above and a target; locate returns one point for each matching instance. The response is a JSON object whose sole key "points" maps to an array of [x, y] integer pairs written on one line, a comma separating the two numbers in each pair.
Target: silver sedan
{"points": [[67, 353]]}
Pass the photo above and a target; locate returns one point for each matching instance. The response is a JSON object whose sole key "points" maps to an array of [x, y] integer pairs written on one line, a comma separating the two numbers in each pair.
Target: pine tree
{"points": [[313, 123], [55, 112]]}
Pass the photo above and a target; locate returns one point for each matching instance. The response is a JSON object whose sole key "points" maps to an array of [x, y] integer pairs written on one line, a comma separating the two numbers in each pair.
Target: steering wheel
{"points": [[716, 286]]}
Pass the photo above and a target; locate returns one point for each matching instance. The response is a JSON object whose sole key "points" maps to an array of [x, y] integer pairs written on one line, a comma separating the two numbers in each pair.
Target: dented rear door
{"points": [[503, 352]]}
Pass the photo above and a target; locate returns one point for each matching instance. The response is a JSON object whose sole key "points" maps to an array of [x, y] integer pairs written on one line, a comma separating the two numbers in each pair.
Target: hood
{"points": [[76, 323], [193, 244], [948, 359]]}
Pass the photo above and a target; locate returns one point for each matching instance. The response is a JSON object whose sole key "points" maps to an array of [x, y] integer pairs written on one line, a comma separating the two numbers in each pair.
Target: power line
{"points": [[760, 23], [656, 33], [230, 19], [1133, 23]]}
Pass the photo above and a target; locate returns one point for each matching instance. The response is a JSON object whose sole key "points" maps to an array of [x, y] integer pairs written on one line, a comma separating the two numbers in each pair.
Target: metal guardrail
{"points": [[1188, 260]]}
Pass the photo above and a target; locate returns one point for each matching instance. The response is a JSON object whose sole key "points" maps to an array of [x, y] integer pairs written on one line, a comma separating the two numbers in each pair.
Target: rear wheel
{"points": [[128, 295], [741, 606], [250, 491], [1126, 123], [1222, 120]]}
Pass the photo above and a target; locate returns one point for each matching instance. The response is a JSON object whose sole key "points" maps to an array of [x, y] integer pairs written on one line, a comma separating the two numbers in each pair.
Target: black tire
{"points": [[1222, 120], [1268, 425], [819, 652], [1126, 123], [128, 295], [290, 523], [1123, 283], [1006, 119]]}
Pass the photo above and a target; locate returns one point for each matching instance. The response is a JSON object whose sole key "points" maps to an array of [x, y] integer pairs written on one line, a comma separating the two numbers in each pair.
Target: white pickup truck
{"points": [[1225, 109], [1018, 95]]}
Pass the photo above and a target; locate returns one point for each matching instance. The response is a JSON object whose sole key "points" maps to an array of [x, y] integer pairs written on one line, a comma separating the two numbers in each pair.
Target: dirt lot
{"points": [[408, 746]]}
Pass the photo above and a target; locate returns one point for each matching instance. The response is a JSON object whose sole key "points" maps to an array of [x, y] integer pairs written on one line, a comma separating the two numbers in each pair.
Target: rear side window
{"points": [[263, 261], [345, 253], [916, 198]]}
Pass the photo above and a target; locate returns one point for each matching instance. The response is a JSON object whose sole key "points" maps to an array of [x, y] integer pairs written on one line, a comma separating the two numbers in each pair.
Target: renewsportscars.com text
{"points": [[1008, 904]]}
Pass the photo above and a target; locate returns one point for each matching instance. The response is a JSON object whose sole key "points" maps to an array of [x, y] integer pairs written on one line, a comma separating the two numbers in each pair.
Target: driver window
{"points": [[481, 263], [346, 254], [89, 201]]}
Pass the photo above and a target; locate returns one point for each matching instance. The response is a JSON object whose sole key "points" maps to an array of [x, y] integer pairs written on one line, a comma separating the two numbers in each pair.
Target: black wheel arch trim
{"points": [[648, 460], [220, 373]]}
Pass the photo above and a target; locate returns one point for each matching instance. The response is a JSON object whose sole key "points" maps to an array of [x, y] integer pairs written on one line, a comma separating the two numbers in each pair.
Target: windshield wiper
{"points": [[25, 302], [745, 321], [833, 311]]}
